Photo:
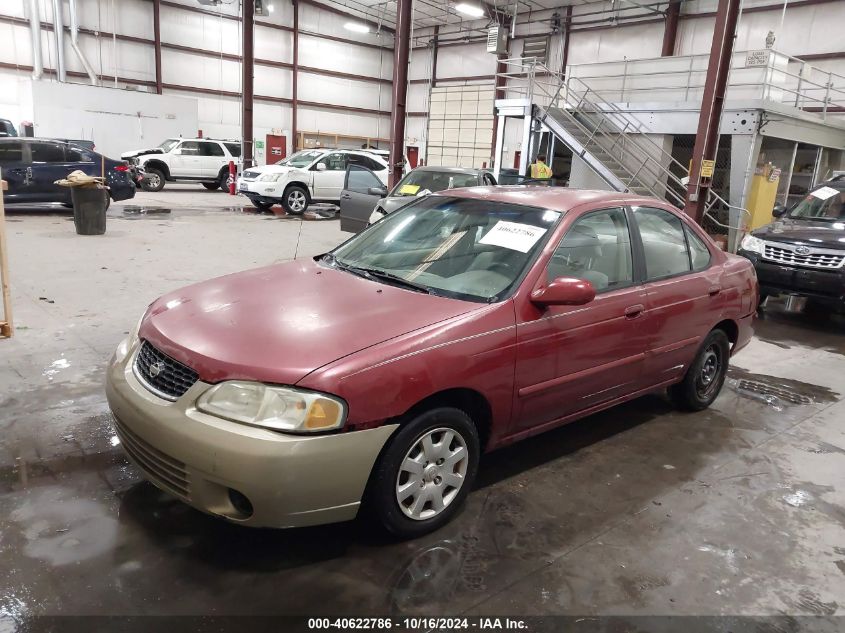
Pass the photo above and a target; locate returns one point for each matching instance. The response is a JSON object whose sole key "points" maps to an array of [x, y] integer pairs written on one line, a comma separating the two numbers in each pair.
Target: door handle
{"points": [[714, 290], [632, 312]]}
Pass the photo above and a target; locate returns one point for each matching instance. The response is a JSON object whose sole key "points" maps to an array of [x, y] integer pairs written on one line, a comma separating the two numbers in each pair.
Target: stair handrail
{"points": [[606, 108]]}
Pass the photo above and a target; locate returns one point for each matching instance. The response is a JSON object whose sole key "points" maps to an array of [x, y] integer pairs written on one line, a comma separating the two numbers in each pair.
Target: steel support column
{"points": [[498, 89], [157, 44], [295, 77], [248, 68], [399, 96], [670, 30], [715, 86], [564, 61]]}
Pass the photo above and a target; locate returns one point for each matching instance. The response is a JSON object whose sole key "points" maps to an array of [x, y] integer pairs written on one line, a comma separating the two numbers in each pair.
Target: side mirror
{"points": [[565, 291], [779, 210], [321, 167], [381, 192]]}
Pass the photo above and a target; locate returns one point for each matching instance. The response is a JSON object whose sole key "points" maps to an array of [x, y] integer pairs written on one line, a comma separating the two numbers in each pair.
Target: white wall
{"points": [[217, 115]]}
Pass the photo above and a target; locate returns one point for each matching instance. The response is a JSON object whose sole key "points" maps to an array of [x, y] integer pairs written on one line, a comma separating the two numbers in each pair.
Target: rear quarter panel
{"points": [[474, 351]]}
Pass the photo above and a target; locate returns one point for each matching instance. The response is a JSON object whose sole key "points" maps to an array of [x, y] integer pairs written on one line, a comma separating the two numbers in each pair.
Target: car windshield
{"points": [[824, 203], [457, 247], [169, 144], [300, 159], [422, 181]]}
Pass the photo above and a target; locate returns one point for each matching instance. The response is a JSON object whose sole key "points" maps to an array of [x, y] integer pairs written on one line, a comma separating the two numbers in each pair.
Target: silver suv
{"points": [[201, 160]]}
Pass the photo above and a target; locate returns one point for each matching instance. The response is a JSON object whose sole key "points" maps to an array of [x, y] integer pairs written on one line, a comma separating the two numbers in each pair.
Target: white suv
{"points": [[314, 175], [176, 159]]}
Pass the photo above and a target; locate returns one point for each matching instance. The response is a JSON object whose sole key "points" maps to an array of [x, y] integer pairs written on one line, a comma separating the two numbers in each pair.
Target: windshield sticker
{"points": [[512, 235], [409, 190], [824, 193]]}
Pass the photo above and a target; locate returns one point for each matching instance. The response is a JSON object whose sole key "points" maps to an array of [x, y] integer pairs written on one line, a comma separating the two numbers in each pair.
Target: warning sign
{"points": [[707, 168]]}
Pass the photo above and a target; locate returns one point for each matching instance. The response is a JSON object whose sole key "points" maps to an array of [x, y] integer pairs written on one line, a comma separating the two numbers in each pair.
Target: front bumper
{"points": [[289, 480], [824, 285], [258, 191]]}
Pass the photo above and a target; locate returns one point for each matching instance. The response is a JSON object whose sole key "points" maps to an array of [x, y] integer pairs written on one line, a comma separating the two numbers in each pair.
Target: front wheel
{"points": [[223, 180], [425, 474], [153, 180], [705, 376], [262, 206], [296, 200]]}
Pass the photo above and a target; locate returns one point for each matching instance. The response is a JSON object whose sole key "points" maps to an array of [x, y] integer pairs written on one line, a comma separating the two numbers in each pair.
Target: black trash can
{"points": [[89, 209]]}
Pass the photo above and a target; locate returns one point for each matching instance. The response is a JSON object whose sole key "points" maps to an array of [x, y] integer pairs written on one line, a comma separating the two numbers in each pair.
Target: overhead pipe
{"points": [[74, 42], [59, 33], [35, 38]]}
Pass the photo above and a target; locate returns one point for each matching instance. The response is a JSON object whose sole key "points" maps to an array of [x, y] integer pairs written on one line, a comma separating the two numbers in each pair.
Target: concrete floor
{"points": [[639, 510]]}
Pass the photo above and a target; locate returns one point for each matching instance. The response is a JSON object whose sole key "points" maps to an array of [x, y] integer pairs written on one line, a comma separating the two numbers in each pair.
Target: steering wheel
{"points": [[503, 268]]}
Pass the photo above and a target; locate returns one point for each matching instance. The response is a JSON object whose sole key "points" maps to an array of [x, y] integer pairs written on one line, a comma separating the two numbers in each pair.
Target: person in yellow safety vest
{"points": [[540, 169]]}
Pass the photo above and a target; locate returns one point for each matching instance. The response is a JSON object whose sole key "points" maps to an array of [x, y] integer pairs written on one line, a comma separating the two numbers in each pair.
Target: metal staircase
{"points": [[615, 145]]}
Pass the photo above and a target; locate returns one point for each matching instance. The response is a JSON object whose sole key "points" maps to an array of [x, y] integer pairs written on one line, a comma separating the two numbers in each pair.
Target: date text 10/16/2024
{"points": [[417, 623]]}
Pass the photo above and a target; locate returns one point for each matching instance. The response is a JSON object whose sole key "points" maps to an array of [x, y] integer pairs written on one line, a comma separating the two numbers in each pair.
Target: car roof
{"points": [[449, 170], [555, 198]]}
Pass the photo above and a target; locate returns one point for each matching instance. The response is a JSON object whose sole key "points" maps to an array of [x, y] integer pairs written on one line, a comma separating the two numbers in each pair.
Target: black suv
{"points": [[803, 251]]}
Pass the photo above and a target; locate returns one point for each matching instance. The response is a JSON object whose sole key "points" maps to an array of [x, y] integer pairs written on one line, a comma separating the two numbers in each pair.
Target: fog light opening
{"points": [[240, 503]]}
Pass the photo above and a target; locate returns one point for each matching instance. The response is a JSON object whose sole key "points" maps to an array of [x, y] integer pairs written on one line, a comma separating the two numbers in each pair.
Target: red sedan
{"points": [[377, 374]]}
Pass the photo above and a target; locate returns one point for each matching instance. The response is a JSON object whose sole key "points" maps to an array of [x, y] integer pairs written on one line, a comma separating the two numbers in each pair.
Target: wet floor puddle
{"points": [[776, 392]]}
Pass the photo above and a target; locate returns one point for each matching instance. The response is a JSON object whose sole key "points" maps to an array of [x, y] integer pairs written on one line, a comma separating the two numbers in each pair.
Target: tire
{"points": [[154, 180], [262, 206], [418, 513], [705, 376], [296, 200], [211, 186], [223, 180]]}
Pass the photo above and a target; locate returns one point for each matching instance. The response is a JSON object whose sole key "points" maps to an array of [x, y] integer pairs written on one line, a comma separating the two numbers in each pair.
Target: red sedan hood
{"points": [[279, 323]]}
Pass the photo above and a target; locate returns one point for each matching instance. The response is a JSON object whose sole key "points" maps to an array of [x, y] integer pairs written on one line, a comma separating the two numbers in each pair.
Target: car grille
{"points": [[251, 175], [161, 374], [164, 471], [815, 258]]}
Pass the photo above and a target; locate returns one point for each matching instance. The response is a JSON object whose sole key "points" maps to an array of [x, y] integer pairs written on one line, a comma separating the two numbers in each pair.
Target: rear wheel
{"points": [[211, 186], [296, 200], [153, 180], [424, 475], [705, 376]]}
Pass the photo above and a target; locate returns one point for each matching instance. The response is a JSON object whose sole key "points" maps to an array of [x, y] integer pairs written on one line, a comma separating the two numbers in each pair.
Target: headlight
{"points": [[128, 343], [271, 177], [277, 408], [752, 244]]}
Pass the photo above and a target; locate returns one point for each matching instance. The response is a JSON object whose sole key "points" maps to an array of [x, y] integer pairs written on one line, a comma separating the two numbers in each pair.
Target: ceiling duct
{"points": [[497, 40]]}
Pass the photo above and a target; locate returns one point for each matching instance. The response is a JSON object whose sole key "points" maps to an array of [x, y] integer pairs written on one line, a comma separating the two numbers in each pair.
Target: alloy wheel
{"points": [[296, 201], [432, 473]]}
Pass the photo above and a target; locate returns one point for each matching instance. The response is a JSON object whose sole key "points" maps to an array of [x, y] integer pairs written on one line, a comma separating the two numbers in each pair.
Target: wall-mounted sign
{"points": [[756, 58], [707, 168], [259, 144]]}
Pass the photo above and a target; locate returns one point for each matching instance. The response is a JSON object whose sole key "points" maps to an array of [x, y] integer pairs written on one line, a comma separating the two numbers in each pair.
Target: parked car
{"points": [[312, 175], [385, 156], [365, 200], [380, 371], [32, 165], [7, 128], [202, 160], [803, 251]]}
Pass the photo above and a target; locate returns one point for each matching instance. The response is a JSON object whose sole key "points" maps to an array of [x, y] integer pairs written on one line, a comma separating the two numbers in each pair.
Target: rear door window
{"points": [[234, 149], [47, 152], [208, 148], [11, 153], [664, 243], [359, 179], [698, 250]]}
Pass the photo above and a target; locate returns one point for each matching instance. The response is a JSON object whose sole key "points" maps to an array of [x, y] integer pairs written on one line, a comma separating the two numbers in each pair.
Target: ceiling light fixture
{"points": [[469, 9], [357, 27]]}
